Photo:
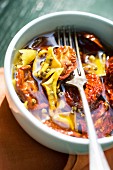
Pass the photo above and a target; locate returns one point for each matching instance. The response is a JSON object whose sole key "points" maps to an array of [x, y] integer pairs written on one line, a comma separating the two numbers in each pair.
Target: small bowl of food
{"points": [[39, 63]]}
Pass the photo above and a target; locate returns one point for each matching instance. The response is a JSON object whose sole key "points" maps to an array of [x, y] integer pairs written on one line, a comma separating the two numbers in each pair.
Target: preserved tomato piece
{"points": [[109, 80], [26, 87], [103, 120], [67, 57], [89, 43], [93, 89], [72, 96]]}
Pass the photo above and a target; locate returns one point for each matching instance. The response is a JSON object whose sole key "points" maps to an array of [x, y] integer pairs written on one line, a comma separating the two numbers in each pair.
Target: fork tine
{"points": [[80, 68], [64, 35], [58, 35], [69, 36]]}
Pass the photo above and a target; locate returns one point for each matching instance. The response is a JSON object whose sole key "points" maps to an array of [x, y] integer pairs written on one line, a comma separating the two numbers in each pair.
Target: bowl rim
{"points": [[13, 95]]}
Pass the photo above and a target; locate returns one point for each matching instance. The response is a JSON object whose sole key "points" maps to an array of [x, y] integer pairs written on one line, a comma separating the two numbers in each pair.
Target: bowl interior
{"points": [[100, 26]]}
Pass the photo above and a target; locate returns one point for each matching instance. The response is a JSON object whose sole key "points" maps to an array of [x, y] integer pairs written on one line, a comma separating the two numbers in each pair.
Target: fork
{"points": [[67, 36]]}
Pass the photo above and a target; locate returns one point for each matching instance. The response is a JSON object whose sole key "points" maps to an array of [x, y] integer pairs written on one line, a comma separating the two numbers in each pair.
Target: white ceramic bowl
{"points": [[101, 27]]}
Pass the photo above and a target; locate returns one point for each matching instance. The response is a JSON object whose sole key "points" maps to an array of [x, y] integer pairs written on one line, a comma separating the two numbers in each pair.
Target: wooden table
{"points": [[17, 149]]}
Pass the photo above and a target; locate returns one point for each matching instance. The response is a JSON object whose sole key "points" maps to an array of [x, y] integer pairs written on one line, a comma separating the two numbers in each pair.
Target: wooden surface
{"points": [[18, 151], [14, 14]]}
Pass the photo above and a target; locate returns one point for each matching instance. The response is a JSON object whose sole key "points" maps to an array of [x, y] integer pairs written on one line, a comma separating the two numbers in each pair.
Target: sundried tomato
{"points": [[72, 95], [69, 132], [89, 43], [26, 87], [103, 120], [93, 89], [109, 80], [67, 57]]}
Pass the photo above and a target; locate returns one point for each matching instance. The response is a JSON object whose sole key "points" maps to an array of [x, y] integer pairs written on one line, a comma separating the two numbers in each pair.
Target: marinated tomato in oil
{"points": [[41, 70]]}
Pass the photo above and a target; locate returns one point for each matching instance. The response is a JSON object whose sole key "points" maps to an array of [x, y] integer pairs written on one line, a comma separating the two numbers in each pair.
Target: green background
{"points": [[14, 14]]}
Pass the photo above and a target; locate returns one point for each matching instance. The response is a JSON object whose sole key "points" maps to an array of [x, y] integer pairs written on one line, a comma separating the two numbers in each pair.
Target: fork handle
{"points": [[97, 158]]}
